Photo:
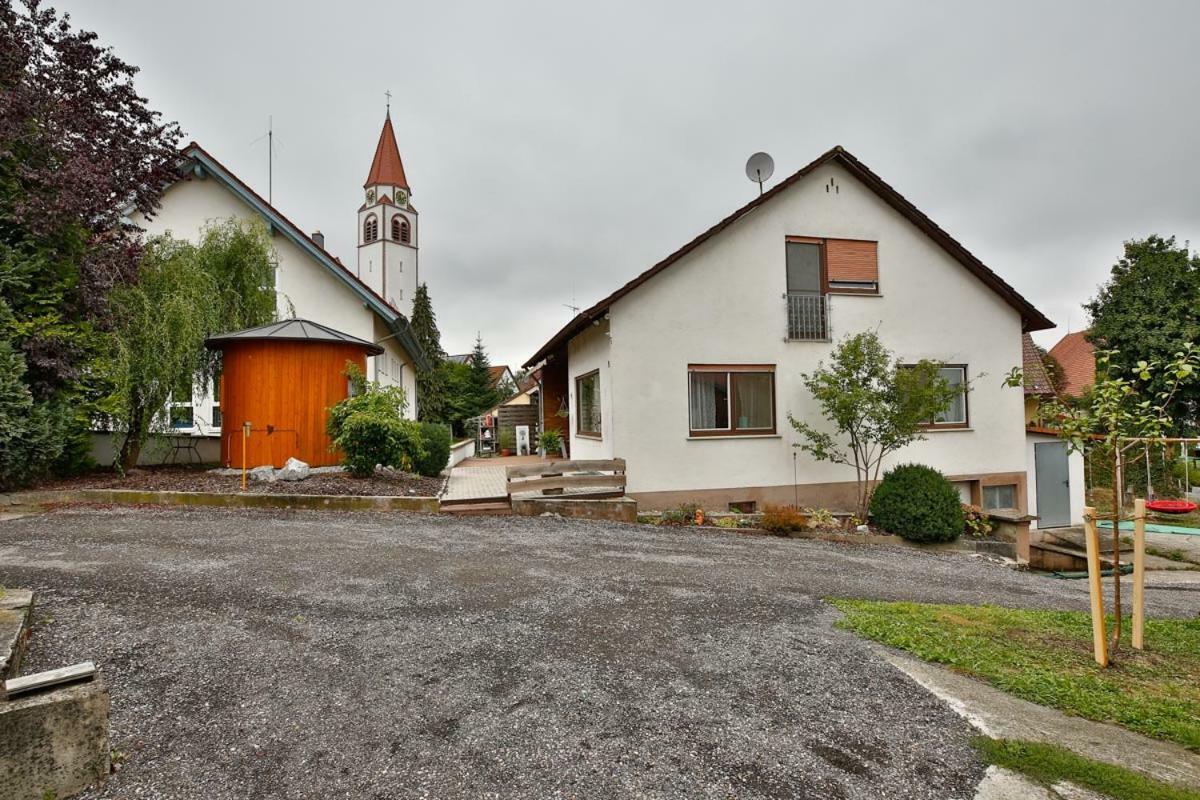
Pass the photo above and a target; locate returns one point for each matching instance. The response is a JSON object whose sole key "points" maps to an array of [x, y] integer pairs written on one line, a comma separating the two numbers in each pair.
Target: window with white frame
{"points": [[955, 415]]}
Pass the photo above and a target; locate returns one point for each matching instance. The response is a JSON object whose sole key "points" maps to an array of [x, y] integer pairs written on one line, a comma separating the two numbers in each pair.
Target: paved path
{"points": [[323, 654], [481, 482], [1003, 716]]}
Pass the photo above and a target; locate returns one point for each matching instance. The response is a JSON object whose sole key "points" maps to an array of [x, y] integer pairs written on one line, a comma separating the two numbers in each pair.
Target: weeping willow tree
{"points": [[183, 293]]}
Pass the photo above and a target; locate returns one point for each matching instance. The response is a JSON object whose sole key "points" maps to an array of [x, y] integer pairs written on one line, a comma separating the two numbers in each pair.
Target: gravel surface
{"points": [[202, 479], [328, 655]]}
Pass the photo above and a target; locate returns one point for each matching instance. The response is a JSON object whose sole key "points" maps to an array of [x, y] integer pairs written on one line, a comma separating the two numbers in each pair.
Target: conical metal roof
{"points": [[292, 330]]}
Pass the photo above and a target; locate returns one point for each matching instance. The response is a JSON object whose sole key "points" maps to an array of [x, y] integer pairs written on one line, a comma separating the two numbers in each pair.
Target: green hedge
{"points": [[436, 439]]}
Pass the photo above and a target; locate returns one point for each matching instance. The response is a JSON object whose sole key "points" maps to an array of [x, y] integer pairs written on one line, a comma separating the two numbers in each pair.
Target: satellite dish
{"points": [[759, 168]]}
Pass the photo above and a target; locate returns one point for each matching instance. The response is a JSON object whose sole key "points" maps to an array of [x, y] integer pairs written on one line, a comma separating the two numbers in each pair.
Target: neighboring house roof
{"points": [[386, 167], [1077, 357], [497, 373], [1031, 318], [1037, 379], [292, 330], [203, 163]]}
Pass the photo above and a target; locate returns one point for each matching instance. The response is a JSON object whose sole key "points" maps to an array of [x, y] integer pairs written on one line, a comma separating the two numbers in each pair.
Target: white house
{"points": [[371, 301], [690, 370]]}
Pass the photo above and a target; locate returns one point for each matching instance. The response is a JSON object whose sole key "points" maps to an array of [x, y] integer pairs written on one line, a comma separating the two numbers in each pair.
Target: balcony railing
{"points": [[807, 317]]}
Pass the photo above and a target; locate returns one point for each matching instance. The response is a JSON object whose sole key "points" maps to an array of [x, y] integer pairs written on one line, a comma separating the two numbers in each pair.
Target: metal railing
{"points": [[807, 317]]}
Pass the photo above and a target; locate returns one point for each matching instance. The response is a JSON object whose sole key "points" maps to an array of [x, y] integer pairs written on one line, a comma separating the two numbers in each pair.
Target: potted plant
{"points": [[507, 441], [552, 443]]}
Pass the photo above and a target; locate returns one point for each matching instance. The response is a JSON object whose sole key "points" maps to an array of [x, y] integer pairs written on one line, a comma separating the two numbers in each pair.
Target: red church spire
{"points": [[387, 168]]}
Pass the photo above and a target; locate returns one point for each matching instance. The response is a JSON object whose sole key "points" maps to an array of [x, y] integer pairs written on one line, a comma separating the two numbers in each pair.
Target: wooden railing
{"points": [[569, 478]]}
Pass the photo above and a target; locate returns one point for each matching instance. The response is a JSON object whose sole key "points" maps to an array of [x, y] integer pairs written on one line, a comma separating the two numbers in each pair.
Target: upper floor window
{"points": [[587, 404], [832, 265], [401, 232], [370, 228], [731, 400]]}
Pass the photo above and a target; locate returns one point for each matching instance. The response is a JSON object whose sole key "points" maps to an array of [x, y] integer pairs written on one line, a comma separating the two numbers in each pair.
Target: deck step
{"points": [[477, 509]]}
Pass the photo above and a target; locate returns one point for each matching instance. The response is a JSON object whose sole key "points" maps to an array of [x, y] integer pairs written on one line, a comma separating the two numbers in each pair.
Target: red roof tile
{"points": [[386, 167], [1077, 357]]}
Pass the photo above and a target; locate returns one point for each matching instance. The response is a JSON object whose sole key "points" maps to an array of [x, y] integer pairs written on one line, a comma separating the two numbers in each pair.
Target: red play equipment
{"points": [[1172, 506]]}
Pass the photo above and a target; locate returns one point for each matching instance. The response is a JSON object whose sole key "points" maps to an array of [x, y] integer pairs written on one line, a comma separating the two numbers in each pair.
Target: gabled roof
{"points": [[387, 167], [1077, 357], [292, 330], [1031, 318], [1037, 380], [203, 164]]}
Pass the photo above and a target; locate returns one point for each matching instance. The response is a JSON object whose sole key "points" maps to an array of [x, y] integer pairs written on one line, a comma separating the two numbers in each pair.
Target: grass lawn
{"points": [[1046, 657], [1047, 764]]}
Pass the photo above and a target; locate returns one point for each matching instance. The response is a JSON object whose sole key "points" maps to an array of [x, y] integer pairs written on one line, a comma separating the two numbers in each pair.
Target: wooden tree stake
{"points": [[1092, 537], [1139, 573]]}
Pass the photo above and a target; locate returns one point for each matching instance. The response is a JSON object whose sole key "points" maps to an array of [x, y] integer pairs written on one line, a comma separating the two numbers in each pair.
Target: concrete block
{"points": [[54, 744], [16, 616], [623, 509]]}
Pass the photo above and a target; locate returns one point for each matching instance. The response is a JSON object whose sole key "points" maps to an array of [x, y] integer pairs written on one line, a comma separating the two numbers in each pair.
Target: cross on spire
{"points": [[389, 101]]}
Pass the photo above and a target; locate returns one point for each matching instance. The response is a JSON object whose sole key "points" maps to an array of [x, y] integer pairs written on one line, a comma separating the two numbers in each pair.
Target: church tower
{"points": [[387, 227]]}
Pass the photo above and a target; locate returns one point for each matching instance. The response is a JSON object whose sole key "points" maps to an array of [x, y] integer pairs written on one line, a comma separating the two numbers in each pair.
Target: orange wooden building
{"points": [[282, 379]]}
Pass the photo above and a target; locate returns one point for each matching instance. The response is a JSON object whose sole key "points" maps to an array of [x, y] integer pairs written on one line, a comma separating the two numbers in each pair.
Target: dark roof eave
{"points": [[1031, 318]]}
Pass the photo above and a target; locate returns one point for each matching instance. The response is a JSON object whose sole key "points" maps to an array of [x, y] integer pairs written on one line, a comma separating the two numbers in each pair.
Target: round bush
{"points": [[369, 438], [918, 503], [436, 439]]}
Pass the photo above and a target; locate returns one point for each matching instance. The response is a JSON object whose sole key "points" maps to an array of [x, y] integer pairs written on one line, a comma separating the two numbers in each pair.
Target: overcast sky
{"points": [[555, 150]]}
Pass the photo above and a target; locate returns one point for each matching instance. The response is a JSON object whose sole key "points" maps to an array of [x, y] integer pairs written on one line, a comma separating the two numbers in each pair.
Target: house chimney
{"points": [[319, 238]]}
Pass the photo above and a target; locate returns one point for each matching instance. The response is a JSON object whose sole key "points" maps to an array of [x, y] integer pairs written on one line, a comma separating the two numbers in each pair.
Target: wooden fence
{"points": [[573, 479]]}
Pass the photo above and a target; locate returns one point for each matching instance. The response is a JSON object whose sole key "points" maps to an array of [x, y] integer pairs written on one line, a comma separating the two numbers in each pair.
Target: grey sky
{"points": [[556, 145]]}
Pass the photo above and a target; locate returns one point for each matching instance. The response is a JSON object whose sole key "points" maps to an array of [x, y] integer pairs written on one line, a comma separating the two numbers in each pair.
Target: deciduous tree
{"points": [[1146, 311], [876, 406], [183, 294]]}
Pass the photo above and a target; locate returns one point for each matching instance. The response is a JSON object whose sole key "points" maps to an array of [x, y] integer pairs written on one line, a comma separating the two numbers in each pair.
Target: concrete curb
{"points": [[1003, 716], [324, 502], [960, 545]]}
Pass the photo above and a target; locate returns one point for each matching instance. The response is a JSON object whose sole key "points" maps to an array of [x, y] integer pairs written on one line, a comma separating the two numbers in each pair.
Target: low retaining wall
{"points": [[16, 614], [616, 510], [54, 744], [460, 452], [215, 499]]}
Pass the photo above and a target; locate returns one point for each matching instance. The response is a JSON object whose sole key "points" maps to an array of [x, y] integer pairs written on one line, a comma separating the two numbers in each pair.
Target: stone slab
{"points": [[16, 616], [622, 509], [54, 744]]}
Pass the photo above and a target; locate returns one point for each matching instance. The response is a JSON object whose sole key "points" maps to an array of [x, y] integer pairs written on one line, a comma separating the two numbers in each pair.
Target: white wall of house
{"points": [[723, 304], [305, 288], [586, 352]]}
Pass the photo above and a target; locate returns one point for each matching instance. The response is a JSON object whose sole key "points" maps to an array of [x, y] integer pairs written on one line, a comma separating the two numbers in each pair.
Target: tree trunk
{"points": [[131, 448], [1118, 491]]}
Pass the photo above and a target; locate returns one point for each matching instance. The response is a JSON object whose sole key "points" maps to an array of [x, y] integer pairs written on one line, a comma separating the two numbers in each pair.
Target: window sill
{"points": [[720, 437], [595, 437], [948, 429], [846, 293]]}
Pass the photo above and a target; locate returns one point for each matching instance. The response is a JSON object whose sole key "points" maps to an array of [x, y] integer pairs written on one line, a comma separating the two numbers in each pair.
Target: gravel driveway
{"points": [[322, 655]]}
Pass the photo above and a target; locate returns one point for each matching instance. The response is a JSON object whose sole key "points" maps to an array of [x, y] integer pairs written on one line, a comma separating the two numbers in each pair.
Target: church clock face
{"points": [[370, 195], [401, 197]]}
